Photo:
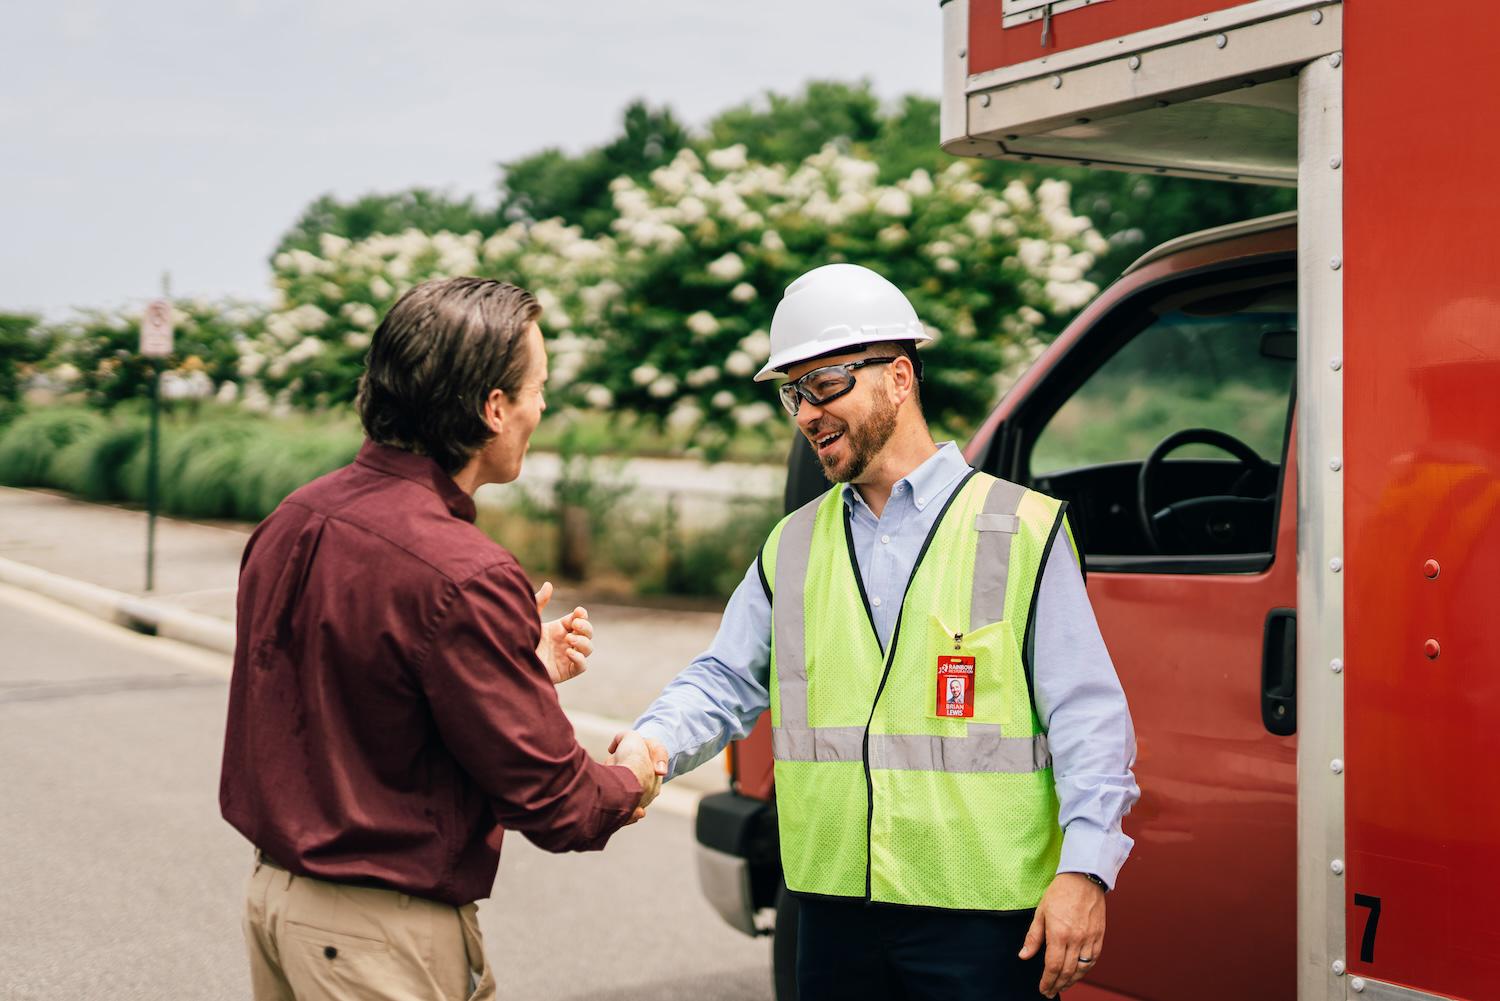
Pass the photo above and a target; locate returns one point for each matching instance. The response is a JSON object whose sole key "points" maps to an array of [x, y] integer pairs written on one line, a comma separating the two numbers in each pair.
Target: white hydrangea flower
{"points": [[723, 399], [1018, 196], [360, 314], [703, 323], [730, 158], [743, 292], [305, 349], [919, 184], [357, 340], [501, 245], [947, 265], [772, 241], [727, 268], [894, 202], [692, 210], [892, 235], [332, 245], [229, 391], [250, 363], [739, 363], [663, 387], [66, 374], [255, 399], [1030, 316], [644, 375], [598, 397], [752, 414], [700, 377], [1068, 296], [757, 345], [685, 416], [1032, 253]]}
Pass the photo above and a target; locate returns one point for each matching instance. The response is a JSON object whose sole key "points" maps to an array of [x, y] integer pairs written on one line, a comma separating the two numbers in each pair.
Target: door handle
{"points": [[1278, 673]]}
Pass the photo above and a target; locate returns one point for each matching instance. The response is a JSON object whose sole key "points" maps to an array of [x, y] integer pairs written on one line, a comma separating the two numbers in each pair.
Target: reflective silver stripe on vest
{"points": [[997, 525], [983, 750], [788, 631], [825, 743]]}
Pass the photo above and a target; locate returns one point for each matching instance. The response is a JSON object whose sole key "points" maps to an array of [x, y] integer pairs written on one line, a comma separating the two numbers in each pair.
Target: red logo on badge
{"points": [[955, 687]]}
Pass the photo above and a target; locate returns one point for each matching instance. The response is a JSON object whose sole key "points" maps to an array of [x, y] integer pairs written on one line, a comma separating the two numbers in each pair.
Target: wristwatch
{"points": [[1095, 880]]}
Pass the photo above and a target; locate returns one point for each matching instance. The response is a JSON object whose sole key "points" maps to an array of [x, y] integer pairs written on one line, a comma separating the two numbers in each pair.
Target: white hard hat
{"points": [[837, 306]]}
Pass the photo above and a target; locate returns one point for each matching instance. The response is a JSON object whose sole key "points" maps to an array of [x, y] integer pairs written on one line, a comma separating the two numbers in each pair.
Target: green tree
{"points": [[787, 129], [416, 208], [22, 343], [553, 185]]}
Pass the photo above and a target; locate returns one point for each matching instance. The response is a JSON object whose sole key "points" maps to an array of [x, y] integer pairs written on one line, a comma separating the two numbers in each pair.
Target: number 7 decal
{"points": [[1367, 944]]}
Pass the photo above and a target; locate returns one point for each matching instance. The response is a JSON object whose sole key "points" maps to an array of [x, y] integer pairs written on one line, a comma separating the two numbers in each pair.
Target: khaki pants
{"points": [[312, 940]]}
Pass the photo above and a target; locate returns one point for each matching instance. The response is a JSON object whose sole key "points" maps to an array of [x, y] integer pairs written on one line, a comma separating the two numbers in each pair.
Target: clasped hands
{"points": [[564, 651]]}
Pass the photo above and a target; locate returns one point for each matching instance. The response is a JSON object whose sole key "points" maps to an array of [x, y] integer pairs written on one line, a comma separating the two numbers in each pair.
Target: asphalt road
{"points": [[120, 880]]}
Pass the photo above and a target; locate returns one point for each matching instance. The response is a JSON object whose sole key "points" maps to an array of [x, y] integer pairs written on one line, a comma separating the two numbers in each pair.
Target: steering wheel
{"points": [[1218, 523]]}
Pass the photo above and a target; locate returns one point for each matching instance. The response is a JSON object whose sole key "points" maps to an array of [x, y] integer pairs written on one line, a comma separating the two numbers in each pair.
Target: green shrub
{"points": [[91, 465], [275, 465], [32, 442], [712, 562]]}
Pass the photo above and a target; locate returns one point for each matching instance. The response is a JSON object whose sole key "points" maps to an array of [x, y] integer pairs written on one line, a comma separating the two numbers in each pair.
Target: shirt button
{"points": [[921, 501], [875, 601], [885, 538], [330, 952]]}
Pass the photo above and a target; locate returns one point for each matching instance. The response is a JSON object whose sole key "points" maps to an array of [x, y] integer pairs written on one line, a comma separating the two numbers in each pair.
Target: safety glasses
{"points": [[823, 385]]}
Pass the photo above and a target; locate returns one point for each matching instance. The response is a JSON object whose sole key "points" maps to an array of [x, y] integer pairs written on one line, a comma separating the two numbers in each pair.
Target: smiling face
{"points": [[849, 432]]}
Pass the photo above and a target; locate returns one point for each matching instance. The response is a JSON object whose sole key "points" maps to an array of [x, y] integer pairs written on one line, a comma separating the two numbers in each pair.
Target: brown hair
{"points": [[434, 360]]}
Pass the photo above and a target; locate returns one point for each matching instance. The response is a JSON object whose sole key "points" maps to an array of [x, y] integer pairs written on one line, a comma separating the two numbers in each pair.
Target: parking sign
{"points": [[156, 329]]}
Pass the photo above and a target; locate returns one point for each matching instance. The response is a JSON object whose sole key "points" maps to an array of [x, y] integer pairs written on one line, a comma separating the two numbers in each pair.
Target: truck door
{"points": [[1166, 426]]}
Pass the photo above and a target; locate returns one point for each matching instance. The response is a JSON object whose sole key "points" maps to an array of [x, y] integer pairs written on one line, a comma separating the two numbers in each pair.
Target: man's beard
{"points": [[864, 441]]}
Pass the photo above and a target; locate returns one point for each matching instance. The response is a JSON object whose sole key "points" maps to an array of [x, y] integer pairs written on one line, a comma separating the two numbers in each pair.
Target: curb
{"points": [[143, 615]]}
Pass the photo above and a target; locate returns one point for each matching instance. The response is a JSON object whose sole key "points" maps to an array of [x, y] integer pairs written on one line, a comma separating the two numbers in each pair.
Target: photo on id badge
{"points": [[955, 687]]}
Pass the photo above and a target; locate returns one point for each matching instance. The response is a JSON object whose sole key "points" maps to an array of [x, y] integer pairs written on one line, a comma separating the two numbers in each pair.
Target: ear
{"points": [[902, 379], [493, 413]]}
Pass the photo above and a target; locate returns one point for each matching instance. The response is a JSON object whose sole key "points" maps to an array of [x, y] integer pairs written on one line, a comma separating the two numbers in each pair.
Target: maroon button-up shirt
{"points": [[388, 715]]}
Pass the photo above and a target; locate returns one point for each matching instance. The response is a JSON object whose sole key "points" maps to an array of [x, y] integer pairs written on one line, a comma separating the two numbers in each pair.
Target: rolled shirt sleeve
{"points": [[498, 714], [720, 695], [1089, 731]]}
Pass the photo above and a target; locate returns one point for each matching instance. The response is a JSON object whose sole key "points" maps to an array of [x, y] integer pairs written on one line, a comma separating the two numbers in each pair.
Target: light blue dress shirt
{"points": [[722, 693]]}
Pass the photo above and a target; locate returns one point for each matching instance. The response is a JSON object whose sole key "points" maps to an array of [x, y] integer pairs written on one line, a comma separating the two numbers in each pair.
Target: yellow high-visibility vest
{"points": [[890, 786]]}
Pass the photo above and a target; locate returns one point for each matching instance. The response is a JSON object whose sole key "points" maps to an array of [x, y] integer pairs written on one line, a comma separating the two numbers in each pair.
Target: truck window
{"points": [[1172, 445]]}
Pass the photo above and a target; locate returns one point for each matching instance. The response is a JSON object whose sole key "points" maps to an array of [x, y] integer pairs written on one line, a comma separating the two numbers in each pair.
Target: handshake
{"points": [[646, 758]]}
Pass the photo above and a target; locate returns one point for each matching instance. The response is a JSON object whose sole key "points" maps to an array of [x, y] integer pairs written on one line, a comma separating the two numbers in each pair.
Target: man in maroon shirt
{"points": [[392, 709]]}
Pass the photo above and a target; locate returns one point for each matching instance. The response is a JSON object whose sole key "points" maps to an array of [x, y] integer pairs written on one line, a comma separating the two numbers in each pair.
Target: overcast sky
{"points": [[187, 136]]}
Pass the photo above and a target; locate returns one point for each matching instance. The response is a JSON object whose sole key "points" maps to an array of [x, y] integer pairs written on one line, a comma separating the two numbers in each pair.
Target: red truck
{"points": [[1280, 441]]}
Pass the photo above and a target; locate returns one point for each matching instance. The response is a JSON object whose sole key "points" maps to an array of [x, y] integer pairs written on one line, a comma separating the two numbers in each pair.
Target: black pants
{"points": [[878, 953]]}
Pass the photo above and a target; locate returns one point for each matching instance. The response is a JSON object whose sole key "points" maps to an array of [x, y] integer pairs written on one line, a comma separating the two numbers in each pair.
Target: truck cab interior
{"points": [[1166, 427]]}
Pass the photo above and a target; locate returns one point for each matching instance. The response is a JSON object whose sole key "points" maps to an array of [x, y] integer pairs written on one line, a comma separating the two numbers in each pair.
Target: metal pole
{"points": [[153, 454], [153, 466]]}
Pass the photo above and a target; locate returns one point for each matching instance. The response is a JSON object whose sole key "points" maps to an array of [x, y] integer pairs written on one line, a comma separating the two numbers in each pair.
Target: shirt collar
{"points": [[418, 469], [925, 483]]}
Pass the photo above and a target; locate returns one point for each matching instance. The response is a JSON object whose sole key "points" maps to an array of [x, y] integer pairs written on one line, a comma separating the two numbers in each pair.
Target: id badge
{"points": [[955, 687]]}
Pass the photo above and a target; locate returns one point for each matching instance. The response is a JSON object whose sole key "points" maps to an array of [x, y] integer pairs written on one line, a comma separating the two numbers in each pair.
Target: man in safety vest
{"points": [[952, 746]]}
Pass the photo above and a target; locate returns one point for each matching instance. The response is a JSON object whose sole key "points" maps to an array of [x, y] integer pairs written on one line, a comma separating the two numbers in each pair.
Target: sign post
{"points": [[156, 342]]}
